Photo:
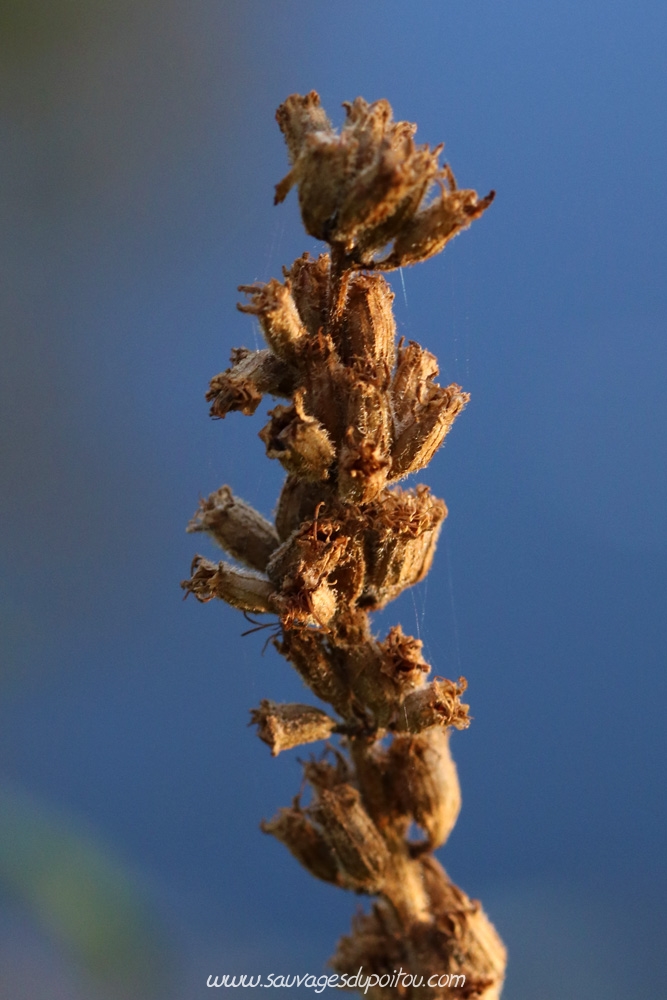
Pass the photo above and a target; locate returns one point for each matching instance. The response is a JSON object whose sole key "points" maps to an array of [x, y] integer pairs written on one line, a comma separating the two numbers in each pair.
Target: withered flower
{"points": [[360, 414], [366, 187]]}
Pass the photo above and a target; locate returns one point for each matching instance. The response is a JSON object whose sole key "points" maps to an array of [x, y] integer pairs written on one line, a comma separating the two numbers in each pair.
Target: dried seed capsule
{"points": [[300, 569], [358, 188], [305, 841], [436, 704], [278, 316], [360, 851], [364, 460], [373, 690], [237, 528], [298, 441], [425, 782], [285, 726], [253, 374], [378, 947], [325, 383], [241, 588]]}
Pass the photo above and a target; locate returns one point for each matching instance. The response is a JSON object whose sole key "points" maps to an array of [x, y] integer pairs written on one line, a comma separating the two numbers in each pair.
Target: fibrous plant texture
{"points": [[361, 413]]}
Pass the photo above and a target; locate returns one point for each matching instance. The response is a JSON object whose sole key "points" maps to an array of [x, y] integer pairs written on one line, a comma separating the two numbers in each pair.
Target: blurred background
{"points": [[138, 154]]}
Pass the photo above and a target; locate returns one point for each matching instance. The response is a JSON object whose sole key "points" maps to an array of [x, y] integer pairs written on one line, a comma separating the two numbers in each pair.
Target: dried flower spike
{"points": [[362, 413]]}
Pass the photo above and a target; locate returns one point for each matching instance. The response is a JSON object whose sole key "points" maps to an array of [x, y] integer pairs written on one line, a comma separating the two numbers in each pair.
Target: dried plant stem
{"points": [[362, 413]]}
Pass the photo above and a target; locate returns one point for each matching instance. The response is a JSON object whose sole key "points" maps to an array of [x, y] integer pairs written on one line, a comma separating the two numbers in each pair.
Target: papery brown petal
{"points": [[305, 842]]}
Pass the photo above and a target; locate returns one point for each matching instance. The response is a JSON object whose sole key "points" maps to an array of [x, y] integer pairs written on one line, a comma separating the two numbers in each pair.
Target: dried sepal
{"points": [[415, 368], [414, 448], [325, 382], [435, 704], [329, 771], [241, 588], [375, 693], [425, 782], [457, 949], [364, 460], [317, 567], [433, 417], [402, 660], [283, 726], [367, 330], [427, 232], [320, 669], [236, 527], [403, 528], [278, 316], [298, 117], [462, 931], [361, 852], [253, 374], [423, 410], [297, 503], [308, 281], [305, 842], [298, 441]]}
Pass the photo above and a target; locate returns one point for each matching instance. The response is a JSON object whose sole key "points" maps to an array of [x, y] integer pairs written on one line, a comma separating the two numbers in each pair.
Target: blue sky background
{"points": [[138, 158]]}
